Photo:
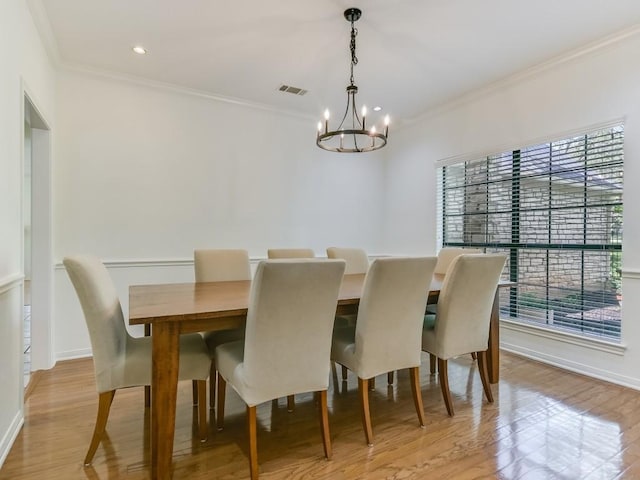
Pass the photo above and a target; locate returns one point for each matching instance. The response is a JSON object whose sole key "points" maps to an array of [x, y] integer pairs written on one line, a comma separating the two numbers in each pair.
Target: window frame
{"points": [[610, 342]]}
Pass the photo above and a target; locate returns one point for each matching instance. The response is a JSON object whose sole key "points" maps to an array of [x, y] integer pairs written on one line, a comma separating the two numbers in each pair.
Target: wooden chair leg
{"points": [[202, 409], [484, 375], [324, 424], [104, 405], [363, 389], [474, 356], [390, 378], [213, 380], [344, 373], [444, 385], [222, 391], [253, 442], [291, 403], [432, 363], [194, 390], [417, 394]]}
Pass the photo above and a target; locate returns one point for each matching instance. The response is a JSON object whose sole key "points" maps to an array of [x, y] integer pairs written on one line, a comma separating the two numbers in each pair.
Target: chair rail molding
{"points": [[631, 273], [11, 281]]}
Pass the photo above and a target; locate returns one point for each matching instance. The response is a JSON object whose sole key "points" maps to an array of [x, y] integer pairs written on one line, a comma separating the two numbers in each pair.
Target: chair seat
{"points": [[135, 369], [429, 322], [343, 346], [214, 339]]}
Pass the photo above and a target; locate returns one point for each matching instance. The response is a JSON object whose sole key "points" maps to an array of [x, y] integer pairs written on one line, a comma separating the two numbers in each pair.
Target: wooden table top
{"points": [[208, 300]]}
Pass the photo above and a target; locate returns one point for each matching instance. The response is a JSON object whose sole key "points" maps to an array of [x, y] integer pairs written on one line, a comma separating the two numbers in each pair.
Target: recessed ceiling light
{"points": [[377, 109], [139, 50]]}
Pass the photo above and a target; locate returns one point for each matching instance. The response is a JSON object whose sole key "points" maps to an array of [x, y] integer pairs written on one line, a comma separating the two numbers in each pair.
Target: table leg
{"points": [[493, 352], [164, 386]]}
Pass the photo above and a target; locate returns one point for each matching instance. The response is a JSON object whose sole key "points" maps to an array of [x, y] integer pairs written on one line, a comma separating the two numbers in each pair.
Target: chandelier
{"points": [[352, 134]]}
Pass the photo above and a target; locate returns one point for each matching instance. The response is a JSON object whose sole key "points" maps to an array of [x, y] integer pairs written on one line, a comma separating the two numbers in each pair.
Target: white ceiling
{"points": [[414, 54]]}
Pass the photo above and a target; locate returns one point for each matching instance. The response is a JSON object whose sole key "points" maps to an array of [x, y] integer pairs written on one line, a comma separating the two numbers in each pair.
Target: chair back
{"points": [[290, 253], [289, 324], [447, 254], [221, 265], [465, 303], [102, 313], [391, 314], [356, 258]]}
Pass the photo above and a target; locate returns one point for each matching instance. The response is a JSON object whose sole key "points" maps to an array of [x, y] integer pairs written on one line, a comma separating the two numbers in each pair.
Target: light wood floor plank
{"points": [[545, 423]]}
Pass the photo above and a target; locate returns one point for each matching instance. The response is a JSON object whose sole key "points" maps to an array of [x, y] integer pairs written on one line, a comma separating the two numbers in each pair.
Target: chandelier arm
{"points": [[346, 112]]}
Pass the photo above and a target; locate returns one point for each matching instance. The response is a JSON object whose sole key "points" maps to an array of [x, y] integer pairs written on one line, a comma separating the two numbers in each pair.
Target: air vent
{"points": [[293, 90]]}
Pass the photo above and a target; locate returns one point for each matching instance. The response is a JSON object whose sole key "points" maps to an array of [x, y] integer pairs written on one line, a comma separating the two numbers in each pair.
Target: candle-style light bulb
{"points": [[319, 128], [341, 140], [373, 138], [373, 130], [386, 125], [364, 114], [326, 120]]}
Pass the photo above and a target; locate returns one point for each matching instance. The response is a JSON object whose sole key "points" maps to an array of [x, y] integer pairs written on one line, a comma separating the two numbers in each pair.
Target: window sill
{"points": [[565, 337]]}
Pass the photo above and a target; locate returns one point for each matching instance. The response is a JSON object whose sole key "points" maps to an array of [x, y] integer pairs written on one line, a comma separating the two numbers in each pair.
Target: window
{"points": [[556, 210]]}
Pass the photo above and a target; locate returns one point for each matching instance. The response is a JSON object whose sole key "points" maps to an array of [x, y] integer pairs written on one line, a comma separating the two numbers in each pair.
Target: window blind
{"points": [[555, 209]]}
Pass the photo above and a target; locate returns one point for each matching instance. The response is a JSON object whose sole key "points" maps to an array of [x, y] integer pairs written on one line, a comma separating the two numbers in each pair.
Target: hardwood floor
{"points": [[545, 424]]}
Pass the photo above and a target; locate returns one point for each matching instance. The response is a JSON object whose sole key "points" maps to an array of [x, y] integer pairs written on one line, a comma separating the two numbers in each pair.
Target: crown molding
{"points": [[43, 27], [505, 82], [174, 88], [41, 21]]}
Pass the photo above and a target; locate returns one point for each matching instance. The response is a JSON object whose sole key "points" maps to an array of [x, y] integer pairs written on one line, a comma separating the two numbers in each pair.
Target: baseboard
{"points": [[72, 354], [10, 436], [575, 367]]}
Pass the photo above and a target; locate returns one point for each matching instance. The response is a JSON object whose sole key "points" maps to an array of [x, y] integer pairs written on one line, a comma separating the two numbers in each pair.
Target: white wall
{"points": [[145, 173], [24, 63], [593, 88]]}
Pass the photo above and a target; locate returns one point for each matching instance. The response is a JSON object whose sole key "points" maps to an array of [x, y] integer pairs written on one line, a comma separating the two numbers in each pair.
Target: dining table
{"points": [[169, 310]]}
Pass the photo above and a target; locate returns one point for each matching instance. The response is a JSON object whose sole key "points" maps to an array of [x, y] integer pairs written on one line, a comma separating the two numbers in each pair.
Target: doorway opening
{"points": [[37, 257], [26, 225]]}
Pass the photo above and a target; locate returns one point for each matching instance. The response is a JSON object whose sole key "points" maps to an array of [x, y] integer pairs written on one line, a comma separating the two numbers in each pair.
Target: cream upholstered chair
{"points": [[220, 265], [446, 255], [356, 258], [274, 253], [120, 360], [280, 253], [386, 336], [287, 342], [357, 263], [464, 310]]}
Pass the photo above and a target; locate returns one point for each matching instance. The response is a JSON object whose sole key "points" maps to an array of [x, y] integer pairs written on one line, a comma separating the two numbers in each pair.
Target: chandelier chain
{"points": [[354, 59]]}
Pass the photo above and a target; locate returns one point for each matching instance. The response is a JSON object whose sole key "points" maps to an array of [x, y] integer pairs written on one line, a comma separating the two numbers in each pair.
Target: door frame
{"points": [[42, 265]]}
